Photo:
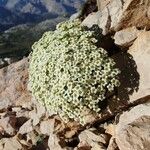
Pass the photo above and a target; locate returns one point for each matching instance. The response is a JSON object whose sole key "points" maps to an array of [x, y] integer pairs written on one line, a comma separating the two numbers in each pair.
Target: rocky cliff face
{"points": [[124, 121]]}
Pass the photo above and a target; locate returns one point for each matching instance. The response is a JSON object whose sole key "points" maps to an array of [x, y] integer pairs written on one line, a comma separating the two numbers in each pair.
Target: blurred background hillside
{"points": [[24, 21]]}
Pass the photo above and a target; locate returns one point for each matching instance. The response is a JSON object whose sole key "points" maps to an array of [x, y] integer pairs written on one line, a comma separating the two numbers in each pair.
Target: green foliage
{"points": [[68, 73]]}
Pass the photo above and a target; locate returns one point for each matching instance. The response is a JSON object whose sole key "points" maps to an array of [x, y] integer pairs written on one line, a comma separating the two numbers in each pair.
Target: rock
{"points": [[38, 112], [112, 144], [94, 146], [26, 127], [94, 19], [40, 109], [99, 18], [125, 38], [3, 63], [105, 18], [53, 142], [118, 14], [132, 131], [140, 52], [13, 84], [102, 4], [94, 139], [133, 13], [25, 101], [25, 143], [10, 60], [70, 134], [7, 61], [115, 9], [7, 125], [148, 12], [1, 145], [75, 16], [69, 130], [83, 146], [22, 113], [98, 147], [134, 77], [110, 129], [16, 109], [47, 127], [11, 144], [32, 137], [33, 115]]}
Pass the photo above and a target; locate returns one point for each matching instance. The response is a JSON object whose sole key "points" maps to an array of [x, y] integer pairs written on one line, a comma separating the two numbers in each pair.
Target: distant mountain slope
{"points": [[17, 40], [14, 12], [22, 22]]}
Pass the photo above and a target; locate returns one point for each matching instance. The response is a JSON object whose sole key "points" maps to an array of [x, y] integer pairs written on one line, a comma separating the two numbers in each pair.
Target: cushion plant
{"points": [[69, 73]]}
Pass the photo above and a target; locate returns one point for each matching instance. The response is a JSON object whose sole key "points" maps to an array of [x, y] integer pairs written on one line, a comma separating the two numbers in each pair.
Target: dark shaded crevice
{"points": [[89, 7]]}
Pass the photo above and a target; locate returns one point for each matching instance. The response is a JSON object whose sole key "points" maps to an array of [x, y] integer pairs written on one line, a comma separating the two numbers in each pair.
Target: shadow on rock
{"points": [[104, 41], [129, 76], [129, 81]]}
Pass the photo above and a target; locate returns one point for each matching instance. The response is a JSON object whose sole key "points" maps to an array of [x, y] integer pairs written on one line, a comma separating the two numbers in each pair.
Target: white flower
{"points": [[68, 73]]}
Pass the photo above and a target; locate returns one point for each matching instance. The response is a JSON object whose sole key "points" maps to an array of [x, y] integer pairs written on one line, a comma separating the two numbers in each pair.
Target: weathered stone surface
{"points": [[128, 13], [98, 147], [140, 51], [22, 113], [126, 37], [105, 18], [13, 84], [75, 16], [93, 138], [112, 144], [83, 146], [115, 9], [47, 126], [86, 146], [132, 131], [102, 4], [32, 138], [121, 14], [70, 134], [99, 18], [26, 127], [134, 13], [7, 61], [110, 129], [37, 113], [2, 63], [53, 142], [91, 19], [11, 144], [148, 12], [7, 125], [135, 66]]}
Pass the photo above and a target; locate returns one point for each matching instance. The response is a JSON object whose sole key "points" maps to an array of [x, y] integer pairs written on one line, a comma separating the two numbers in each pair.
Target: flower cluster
{"points": [[68, 73]]}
